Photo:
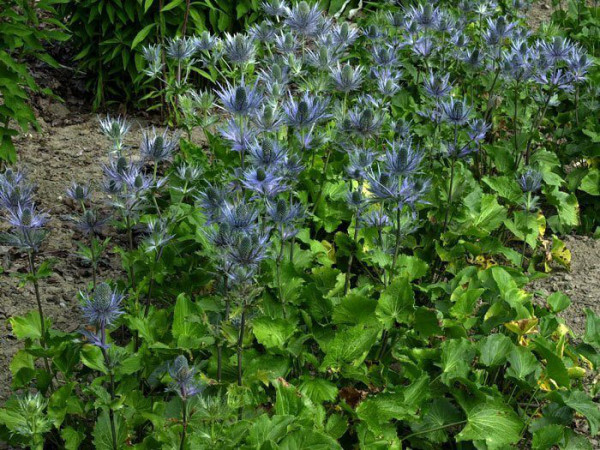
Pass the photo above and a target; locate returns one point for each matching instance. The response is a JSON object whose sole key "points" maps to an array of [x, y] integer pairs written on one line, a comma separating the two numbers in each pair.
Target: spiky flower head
{"points": [[346, 78], [274, 8], [530, 181], [204, 42], [262, 32], [303, 18], [402, 159], [115, 129], [180, 49], [239, 48], [152, 55], [26, 217], [79, 192], [363, 121], [240, 100], [183, 376], [436, 86], [455, 111], [306, 111], [157, 147], [281, 212], [103, 306], [90, 222]]}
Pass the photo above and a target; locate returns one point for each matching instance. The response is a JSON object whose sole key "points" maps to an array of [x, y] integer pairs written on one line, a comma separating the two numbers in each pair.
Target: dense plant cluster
{"points": [[22, 35], [343, 264]]}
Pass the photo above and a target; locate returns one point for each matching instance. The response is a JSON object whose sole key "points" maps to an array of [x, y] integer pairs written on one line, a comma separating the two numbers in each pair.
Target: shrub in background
{"points": [[24, 29]]}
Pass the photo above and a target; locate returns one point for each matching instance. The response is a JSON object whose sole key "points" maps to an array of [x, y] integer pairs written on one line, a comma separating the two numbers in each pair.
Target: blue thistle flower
{"points": [[239, 217], [344, 34], [364, 122], [436, 86], [262, 32], [557, 50], [361, 159], [240, 100], [323, 57], [238, 138], [274, 8], [423, 46], [530, 181], [103, 307], [478, 128], [25, 217], [384, 55], [239, 48], [578, 64], [263, 181], [90, 222], [267, 120], [356, 200], [204, 42], [305, 112], [283, 213], [376, 219], [115, 129], [183, 376], [157, 235], [497, 31], [455, 111], [267, 153], [248, 249], [286, 43], [304, 19], [180, 49], [157, 148], [15, 190], [401, 159], [79, 192], [212, 200], [346, 78], [152, 55]]}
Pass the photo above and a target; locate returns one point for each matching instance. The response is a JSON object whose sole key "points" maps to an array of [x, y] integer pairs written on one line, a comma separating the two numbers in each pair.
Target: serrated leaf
{"points": [[457, 355], [494, 422], [318, 390], [522, 363], [396, 304], [494, 350], [272, 332]]}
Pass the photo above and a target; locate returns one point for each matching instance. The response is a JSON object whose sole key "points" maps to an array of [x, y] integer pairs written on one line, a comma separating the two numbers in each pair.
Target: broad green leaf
{"points": [[583, 404], [28, 326], [439, 413], [591, 182], [494, 350], [308, 440], [272, 332], [269, 429], [318, 390], [457, 356], [522, 363], [91, 356], [396, 304], [350, 346], [492, 421], [592, 328], [376, 411], [102, 431], [547, 437], [558, 301]]}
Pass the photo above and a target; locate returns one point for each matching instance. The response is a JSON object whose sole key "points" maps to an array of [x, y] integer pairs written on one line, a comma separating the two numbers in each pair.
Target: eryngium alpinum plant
{"points": [[344, 264]]}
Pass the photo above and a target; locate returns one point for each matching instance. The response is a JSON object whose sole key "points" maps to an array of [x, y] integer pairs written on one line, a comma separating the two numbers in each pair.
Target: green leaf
{"points": [[378, 410], [269, 429], [396, 304], [349, 346], [494, 350], [102, 431], [318, 389], [174, 4], [592, 328], [142, 34], [440, 413], [583, 404], [72, 437], [308, 440], [91, 356], [492, 421], [457, 355], [29, 326], [547, 437], [566, 206], [591, 182], [272, 332], [558, 302], [187, 329], [522, 363]]}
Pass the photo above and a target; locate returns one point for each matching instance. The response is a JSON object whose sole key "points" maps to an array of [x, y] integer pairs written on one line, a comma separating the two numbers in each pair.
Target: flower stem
{"points": [[240, 345]]}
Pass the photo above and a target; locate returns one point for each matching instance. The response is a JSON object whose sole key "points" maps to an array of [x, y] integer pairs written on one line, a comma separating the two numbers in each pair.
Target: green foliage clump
{"points": [[24, 29]]}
